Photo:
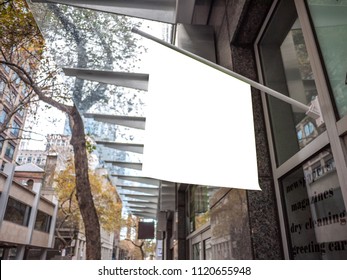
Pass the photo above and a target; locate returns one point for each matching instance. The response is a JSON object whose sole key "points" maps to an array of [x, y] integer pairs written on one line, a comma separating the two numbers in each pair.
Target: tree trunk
{"points": [[83, 190]]}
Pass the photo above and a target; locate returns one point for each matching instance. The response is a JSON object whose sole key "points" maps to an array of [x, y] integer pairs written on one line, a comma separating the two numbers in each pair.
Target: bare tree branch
{"points": [[25, 76]]}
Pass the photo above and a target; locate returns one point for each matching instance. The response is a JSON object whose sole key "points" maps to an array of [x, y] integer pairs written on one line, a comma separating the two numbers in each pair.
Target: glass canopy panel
{"points": [[86, 39], [109, 155]]}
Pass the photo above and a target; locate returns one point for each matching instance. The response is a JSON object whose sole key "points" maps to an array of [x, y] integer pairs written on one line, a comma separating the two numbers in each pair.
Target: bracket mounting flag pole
{"points": [[312, 111]]}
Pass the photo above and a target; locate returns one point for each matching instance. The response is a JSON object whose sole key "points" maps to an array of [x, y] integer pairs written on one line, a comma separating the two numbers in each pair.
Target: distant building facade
{"points": [[52, 160], [27, 219], [37, 157], [55, 144], [12, 91]]}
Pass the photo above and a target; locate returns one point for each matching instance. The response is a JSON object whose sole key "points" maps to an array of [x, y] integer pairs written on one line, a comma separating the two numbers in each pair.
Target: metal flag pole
{"points": [[312, 111]]}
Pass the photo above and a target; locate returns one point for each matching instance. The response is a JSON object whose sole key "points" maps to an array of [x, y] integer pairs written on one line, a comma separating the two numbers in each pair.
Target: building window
{"points": [[17, 212], [9, 151], [29, 160], [43, 221], [16, 79], [11, 97], [15, 129], [2, 140], [2, 87], [196, 251], [3, 116], [38, 161], [20, 111], [330, 24], [199, 206], [207, 249], [287, 69], [315, 211], [30, 184], [7, 69]]}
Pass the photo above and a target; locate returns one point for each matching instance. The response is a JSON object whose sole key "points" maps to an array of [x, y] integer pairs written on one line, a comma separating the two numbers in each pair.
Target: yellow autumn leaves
{"points": [[107, 202]]}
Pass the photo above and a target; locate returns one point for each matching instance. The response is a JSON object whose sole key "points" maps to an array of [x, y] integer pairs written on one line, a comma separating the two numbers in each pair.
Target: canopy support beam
{"points": [[312, 111]]}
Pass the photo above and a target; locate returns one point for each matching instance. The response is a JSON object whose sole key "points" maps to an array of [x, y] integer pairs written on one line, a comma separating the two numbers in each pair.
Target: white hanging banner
{"points": [[199, 124]]}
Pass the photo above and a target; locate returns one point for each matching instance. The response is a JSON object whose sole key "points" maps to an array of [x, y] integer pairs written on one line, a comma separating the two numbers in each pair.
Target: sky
{"points": [[50, 121]]}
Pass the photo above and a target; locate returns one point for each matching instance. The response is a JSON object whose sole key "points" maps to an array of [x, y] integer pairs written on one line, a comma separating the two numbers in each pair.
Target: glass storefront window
{"points": [[329, 18], [207, 249], [199, 206], [287, 69], [315, 211], [196, 251]]}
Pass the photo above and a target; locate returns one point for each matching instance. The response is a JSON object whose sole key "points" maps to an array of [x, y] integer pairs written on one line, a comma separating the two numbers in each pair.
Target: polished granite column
{"points": [[245, 224]]}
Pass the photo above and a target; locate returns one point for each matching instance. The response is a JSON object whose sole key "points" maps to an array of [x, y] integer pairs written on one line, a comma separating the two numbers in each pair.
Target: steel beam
{"points": [[124, 79], [159, 10], [137, 179], [128, 121], [124, 164], [129, 147]]}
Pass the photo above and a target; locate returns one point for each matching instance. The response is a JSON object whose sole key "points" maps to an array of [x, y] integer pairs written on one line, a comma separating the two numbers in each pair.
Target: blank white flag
{"points": [[199, 125]]}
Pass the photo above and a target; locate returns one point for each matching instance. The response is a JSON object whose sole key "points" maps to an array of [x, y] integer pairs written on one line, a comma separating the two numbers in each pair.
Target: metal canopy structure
{"points": [[128, 121], [141, 196], [169, 11], [138, 193], [130, 147], [124, 79], [124, 164]]}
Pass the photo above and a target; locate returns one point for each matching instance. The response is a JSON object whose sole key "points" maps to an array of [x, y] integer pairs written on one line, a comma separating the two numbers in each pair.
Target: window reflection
{"points": [[17, 212], [2, 139], [10, 151], [316, 215], [287, 69], [330, 24], [43, 221], [207, 249], [196, 251], [199, 206], [300, 81]]}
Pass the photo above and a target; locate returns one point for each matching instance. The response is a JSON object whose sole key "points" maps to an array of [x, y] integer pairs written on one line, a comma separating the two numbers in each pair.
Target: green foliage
{"points": [[90, 146], [21, 48]]}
